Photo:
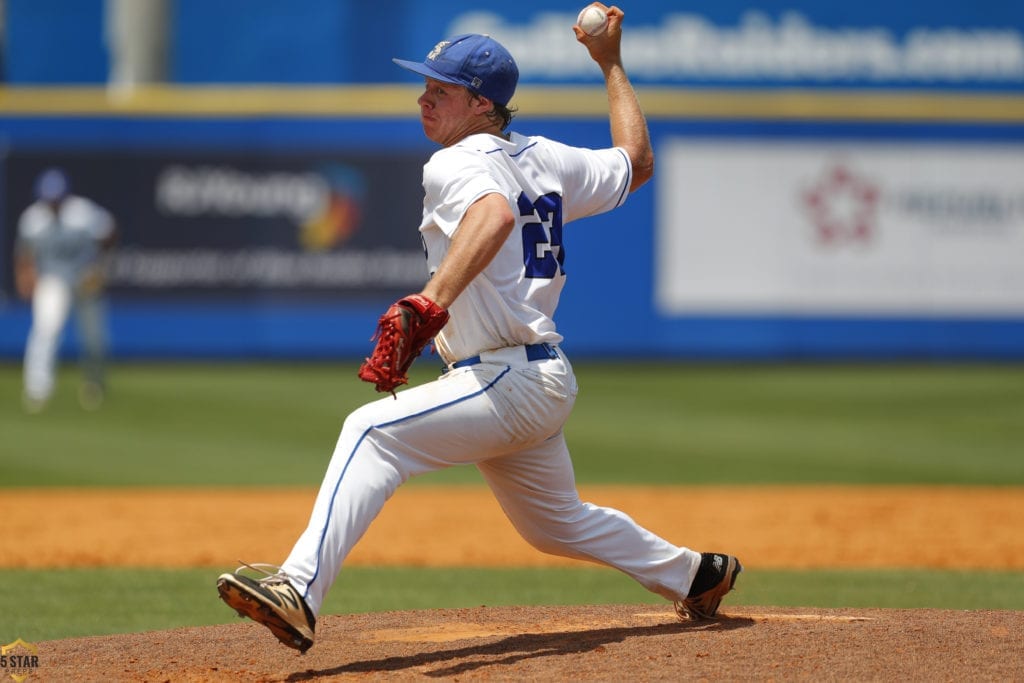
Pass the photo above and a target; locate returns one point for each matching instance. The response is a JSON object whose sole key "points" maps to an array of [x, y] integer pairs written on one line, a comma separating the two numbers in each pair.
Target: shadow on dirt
{"points": [[514, 649]]}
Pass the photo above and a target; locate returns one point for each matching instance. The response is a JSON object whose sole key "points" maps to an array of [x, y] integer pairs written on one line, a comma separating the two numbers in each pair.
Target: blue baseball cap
{"points": [[475, 61], [52, 184]]}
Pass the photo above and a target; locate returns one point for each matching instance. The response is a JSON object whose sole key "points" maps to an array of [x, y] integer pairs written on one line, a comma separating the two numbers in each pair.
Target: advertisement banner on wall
{"points": [[955, 44], [810, 227], [235, 225], [770, 43]]}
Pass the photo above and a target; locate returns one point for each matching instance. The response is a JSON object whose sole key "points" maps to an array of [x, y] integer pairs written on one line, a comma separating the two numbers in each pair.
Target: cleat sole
{"points": [[246, 607]]}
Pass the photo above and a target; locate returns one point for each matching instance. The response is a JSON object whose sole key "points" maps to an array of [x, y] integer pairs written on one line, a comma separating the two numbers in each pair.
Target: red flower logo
{"points": [[842, 206]]}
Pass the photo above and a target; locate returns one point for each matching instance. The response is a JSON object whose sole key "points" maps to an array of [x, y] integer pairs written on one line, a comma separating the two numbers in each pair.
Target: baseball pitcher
{"points": [[495, 215]]}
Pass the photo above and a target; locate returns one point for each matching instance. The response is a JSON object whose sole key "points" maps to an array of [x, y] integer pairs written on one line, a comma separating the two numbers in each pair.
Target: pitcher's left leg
{"points": [[450, 421]]}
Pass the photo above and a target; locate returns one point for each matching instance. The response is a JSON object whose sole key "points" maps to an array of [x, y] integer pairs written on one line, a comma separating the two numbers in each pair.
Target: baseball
{"points": [[592, 20]]}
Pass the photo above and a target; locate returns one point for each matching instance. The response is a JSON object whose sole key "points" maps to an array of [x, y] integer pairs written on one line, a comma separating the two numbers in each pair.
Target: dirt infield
{"points": [[769, 527], [597, 643], [774, 527]]}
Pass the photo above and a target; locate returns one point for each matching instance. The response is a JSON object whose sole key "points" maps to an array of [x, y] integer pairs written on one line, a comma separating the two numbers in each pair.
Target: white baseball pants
{"points": [[52, 300], [505, 416]]}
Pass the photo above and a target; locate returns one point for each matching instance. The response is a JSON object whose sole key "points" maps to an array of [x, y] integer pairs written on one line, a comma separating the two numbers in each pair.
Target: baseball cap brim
{"points": [[424, 70]]}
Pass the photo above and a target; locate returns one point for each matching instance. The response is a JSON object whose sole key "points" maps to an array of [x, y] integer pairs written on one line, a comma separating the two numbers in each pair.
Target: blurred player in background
{"points": [[60, 257]]}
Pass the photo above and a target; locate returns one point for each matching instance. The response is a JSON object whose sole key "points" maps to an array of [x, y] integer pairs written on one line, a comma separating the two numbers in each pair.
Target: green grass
{"points": [[276, 423], [237, 424], [54, 604], [801, 424]]}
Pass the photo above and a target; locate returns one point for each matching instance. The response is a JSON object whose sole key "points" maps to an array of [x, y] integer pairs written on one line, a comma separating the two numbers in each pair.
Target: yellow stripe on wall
{"points": [[546, 101]]}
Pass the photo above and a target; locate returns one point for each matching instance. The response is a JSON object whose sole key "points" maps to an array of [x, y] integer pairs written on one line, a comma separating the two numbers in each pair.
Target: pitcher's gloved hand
{"points": [[402, 333]]}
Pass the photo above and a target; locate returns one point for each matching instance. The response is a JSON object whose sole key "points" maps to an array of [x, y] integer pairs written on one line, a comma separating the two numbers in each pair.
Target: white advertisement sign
{"points": [[845, 228]]}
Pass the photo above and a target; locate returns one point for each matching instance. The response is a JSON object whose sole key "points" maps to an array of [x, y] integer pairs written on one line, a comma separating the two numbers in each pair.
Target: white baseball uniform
{"points": [[64, 244], [508, 388]]}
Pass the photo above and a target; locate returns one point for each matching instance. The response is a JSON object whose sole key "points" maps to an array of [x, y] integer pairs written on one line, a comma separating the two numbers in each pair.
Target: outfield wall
{"points": [[827, 186]]}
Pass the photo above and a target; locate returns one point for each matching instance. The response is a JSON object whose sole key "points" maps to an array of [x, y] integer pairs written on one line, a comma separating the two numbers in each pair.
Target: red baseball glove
{"points": [[402, 333]]}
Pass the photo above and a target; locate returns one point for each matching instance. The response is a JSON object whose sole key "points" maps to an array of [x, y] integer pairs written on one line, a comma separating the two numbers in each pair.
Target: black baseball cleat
{"points": [[271, 601], [715, 577]]}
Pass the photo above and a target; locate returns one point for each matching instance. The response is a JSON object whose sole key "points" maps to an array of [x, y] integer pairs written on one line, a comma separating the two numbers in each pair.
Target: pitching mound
{"points": [[619, 642]]}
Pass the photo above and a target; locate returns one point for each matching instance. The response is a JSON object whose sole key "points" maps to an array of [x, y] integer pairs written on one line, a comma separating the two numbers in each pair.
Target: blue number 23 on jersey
{"points": [[543, 253]]}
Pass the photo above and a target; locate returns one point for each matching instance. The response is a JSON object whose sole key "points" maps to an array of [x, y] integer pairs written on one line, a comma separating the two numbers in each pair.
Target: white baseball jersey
{"points": [[65, 242], [547, 184]]}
